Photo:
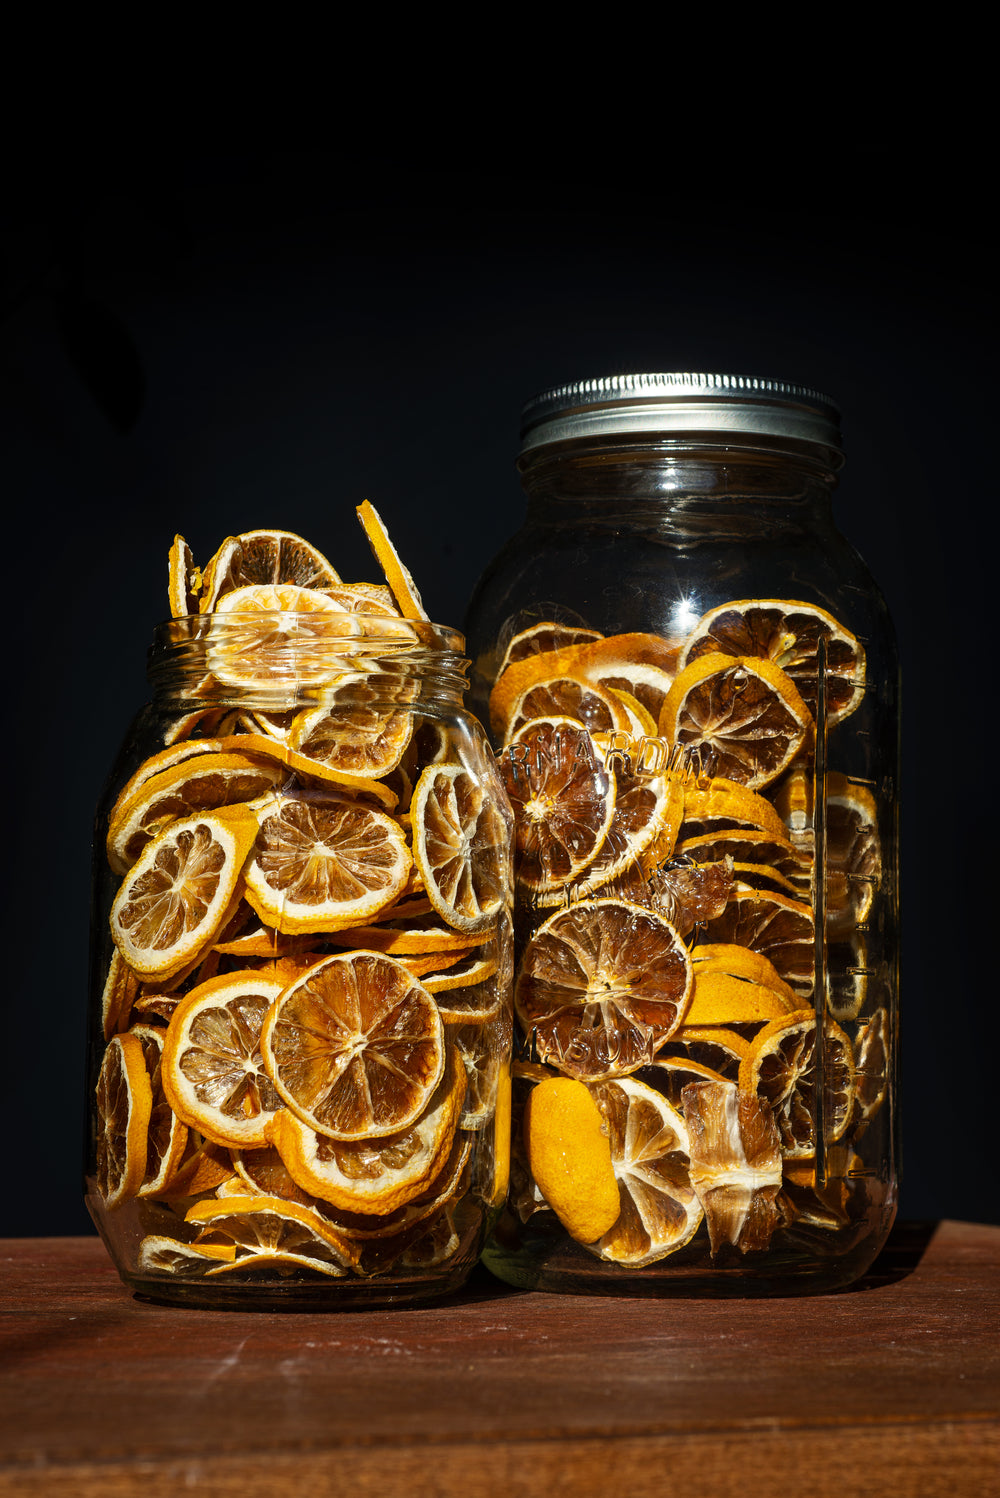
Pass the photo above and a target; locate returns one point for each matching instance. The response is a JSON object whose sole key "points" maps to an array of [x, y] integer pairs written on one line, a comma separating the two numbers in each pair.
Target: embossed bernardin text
{"points": [[643, 757]]}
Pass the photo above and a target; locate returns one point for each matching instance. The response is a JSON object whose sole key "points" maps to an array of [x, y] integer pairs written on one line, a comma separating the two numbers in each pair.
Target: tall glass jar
{"points": [[693, 683], [301, 964]]}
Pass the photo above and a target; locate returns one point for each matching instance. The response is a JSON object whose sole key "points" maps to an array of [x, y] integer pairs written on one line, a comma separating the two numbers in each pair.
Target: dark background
{"points": [[208, 344]]}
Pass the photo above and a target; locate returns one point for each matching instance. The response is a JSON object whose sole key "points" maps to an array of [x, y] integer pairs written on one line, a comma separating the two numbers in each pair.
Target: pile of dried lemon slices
{"points": [[671, 1072], [306, 1005]]}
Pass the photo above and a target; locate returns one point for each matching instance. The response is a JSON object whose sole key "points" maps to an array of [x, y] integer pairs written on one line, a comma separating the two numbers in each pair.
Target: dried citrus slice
{"points": [[671, 1074], [740, 962], [374, 599], [213, 1074], [735, 1154], [166, 1138], [199, 783], [541, 638], [647, 814], [278, 637], [374, 1176], [746, 713], [405, 937], [720, 805], [722, 999], [124, 1104], [269, 1232], [204, 1166], [784, 1066], [121, 989], [750, 846], [781, 928], [362, 729], [570, 1157], [649, 1153], [690, 894], [459, 837], [788, 633], [853, 853], [184, 581], [159, 1254], [872, 1070], [558, 696], [264, 558], [356, 1047], [259, 746], [176, 896], [563, 800], [320, 864], [715, 1046], [404, 589], [601, 985]]}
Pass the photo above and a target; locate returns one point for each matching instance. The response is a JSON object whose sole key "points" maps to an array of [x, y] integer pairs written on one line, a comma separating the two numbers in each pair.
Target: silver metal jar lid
{"points": [[680, 402]]}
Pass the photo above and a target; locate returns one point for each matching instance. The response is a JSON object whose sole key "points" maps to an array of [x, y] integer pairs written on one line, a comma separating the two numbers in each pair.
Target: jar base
{"points": [[308, 1297]]}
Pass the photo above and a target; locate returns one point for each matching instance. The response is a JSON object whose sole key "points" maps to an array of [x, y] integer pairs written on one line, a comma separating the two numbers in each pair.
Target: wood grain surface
{"points": [[890, 1388]]}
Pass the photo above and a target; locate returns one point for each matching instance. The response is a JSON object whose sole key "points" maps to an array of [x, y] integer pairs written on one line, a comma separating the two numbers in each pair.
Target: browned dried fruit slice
{"points": [[563, 800], [601, 985], [789, 634], [786, 1068], [124, 1104], [459, 837]]}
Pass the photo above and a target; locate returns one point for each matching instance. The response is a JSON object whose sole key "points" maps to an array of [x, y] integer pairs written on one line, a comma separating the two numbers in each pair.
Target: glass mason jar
{"points": [[301, 964], [693, 682]]}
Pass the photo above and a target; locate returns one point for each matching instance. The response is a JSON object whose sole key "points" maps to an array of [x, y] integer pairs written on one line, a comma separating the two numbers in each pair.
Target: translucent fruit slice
{"points": [[176, 896], [124, 1104], [540, 639], [356, 1048], [785, 1068], [159, 1254], [602, 984], [213, 1073], [458, 841], [788, 633], [563, 799], [374, 1176], [719, 804], [743, 712], [660, 1211], [264, 558], [736, 1162], [569, 1154], [320, 864], [560, 696]]}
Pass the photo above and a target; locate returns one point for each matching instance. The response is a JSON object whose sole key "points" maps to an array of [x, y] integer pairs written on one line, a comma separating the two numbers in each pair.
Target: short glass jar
{"points": [[301, 963], [693, 683]]}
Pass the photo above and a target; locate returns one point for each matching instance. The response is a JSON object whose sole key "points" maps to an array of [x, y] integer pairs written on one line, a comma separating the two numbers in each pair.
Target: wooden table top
{"points": [[890, 1388]]}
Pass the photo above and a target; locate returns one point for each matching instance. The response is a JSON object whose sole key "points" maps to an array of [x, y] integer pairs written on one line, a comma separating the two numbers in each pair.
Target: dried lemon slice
{"points": [[784, 1066], [213, 1074], [199, 783], [264, 558], [374, 1176], [270, 1233], [602, 984], [563, 799], [404, 589], [321, 864], [743, 712], [458, 840], [735, 1155], [356, 1047], [124, 1105], [176, 896], [278, 638], [660, 1211], [790, 634]]}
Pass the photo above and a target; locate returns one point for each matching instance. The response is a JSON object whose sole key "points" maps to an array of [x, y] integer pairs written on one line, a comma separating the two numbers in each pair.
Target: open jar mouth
{"points": [[301, 657]]}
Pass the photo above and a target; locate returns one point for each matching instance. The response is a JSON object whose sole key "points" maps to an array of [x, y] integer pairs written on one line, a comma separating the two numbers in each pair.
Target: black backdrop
{"points": [[212, 344]]}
